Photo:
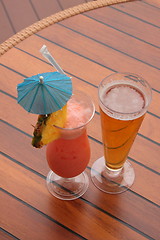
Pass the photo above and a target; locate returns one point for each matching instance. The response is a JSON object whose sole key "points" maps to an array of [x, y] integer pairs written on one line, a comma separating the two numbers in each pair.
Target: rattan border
{"points": [[57, 17]]}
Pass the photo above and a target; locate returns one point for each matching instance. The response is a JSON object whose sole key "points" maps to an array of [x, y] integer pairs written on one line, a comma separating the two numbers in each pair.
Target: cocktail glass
{"points": [[68, 156], [123, 100]]}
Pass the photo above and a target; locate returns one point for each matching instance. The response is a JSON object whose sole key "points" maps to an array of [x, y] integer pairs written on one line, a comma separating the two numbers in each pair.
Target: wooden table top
{"points": [[88, 46]]}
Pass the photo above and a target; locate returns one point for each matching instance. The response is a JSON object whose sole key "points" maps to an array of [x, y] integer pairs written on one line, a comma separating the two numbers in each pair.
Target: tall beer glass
{"points": [[123, 101]]}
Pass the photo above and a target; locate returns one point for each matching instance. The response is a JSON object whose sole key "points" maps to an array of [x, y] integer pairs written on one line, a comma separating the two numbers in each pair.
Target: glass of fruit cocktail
{"points": [[68, 155], [123, 100]]}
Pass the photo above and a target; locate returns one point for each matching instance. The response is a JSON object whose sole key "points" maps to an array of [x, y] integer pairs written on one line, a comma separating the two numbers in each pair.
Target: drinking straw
{"points": [[44, 51]]}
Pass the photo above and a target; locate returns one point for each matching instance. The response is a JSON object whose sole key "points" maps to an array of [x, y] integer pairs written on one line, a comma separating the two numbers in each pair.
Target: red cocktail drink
{"points": [[69, 155]]}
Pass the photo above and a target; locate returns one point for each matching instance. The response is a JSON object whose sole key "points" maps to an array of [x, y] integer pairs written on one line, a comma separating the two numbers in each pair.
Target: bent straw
{"points": [[44, 51]]}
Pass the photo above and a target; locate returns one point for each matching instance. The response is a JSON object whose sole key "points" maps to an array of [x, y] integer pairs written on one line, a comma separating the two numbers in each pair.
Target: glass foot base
{"points": [[67, 188], [112, 181]]}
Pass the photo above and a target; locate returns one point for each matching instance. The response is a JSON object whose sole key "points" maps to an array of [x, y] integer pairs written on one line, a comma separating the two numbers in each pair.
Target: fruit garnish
{"points": [[45, 130]]}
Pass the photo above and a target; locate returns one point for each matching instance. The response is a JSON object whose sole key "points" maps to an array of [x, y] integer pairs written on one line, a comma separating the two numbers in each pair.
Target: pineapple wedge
{"points": [[44, 131]]}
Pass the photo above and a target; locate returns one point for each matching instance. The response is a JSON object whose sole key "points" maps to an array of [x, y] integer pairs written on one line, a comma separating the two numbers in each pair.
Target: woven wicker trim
{"points": [[34, 28]]}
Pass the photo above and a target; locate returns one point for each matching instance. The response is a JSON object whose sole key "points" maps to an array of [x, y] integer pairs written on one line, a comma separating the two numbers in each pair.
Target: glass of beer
{"points": [[123, 100]]}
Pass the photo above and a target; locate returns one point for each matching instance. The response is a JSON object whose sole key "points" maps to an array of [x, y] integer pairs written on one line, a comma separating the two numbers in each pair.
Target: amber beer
{"points": [[122, 109], [118, 136]]}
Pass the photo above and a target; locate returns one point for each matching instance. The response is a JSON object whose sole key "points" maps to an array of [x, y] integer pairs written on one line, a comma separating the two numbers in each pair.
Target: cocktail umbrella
{"points": [[44, 93]]}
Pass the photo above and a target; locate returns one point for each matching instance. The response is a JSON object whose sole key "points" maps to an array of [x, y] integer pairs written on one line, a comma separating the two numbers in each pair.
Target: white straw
{"points": [[49, 57]]}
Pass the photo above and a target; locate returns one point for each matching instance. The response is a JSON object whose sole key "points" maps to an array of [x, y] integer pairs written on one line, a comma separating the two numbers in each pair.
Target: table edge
{"points": [[57, 17]]}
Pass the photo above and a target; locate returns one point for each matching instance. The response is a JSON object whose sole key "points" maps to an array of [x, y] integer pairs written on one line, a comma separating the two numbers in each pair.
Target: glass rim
{"points": [[147, 103], [89, 119]]}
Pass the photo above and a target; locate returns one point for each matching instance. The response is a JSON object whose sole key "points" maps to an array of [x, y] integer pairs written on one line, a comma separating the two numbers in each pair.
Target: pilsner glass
{"points": [[68, 156], [123, 101]]}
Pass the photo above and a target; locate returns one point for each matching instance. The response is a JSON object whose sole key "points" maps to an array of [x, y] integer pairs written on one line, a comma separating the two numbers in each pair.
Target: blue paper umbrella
{"points": [[44, 93]]}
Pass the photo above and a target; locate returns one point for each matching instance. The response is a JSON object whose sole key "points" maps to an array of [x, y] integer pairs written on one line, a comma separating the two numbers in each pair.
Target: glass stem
{"points": [[113, 173], [68, 179]]}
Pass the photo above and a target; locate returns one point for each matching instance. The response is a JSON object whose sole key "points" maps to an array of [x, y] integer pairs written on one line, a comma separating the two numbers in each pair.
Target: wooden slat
{"points": [[141, 11], [36, 186], [127, 24], [24, 11], [145, 151], [153, 3], [108, 37], [146, 130], [67, 4], [45, 8], [18, 218], [6, 236], [5, 26]]}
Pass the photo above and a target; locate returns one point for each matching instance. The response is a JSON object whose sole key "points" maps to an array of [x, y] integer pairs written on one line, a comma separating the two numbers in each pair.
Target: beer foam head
{"points": [[124, 99]]}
